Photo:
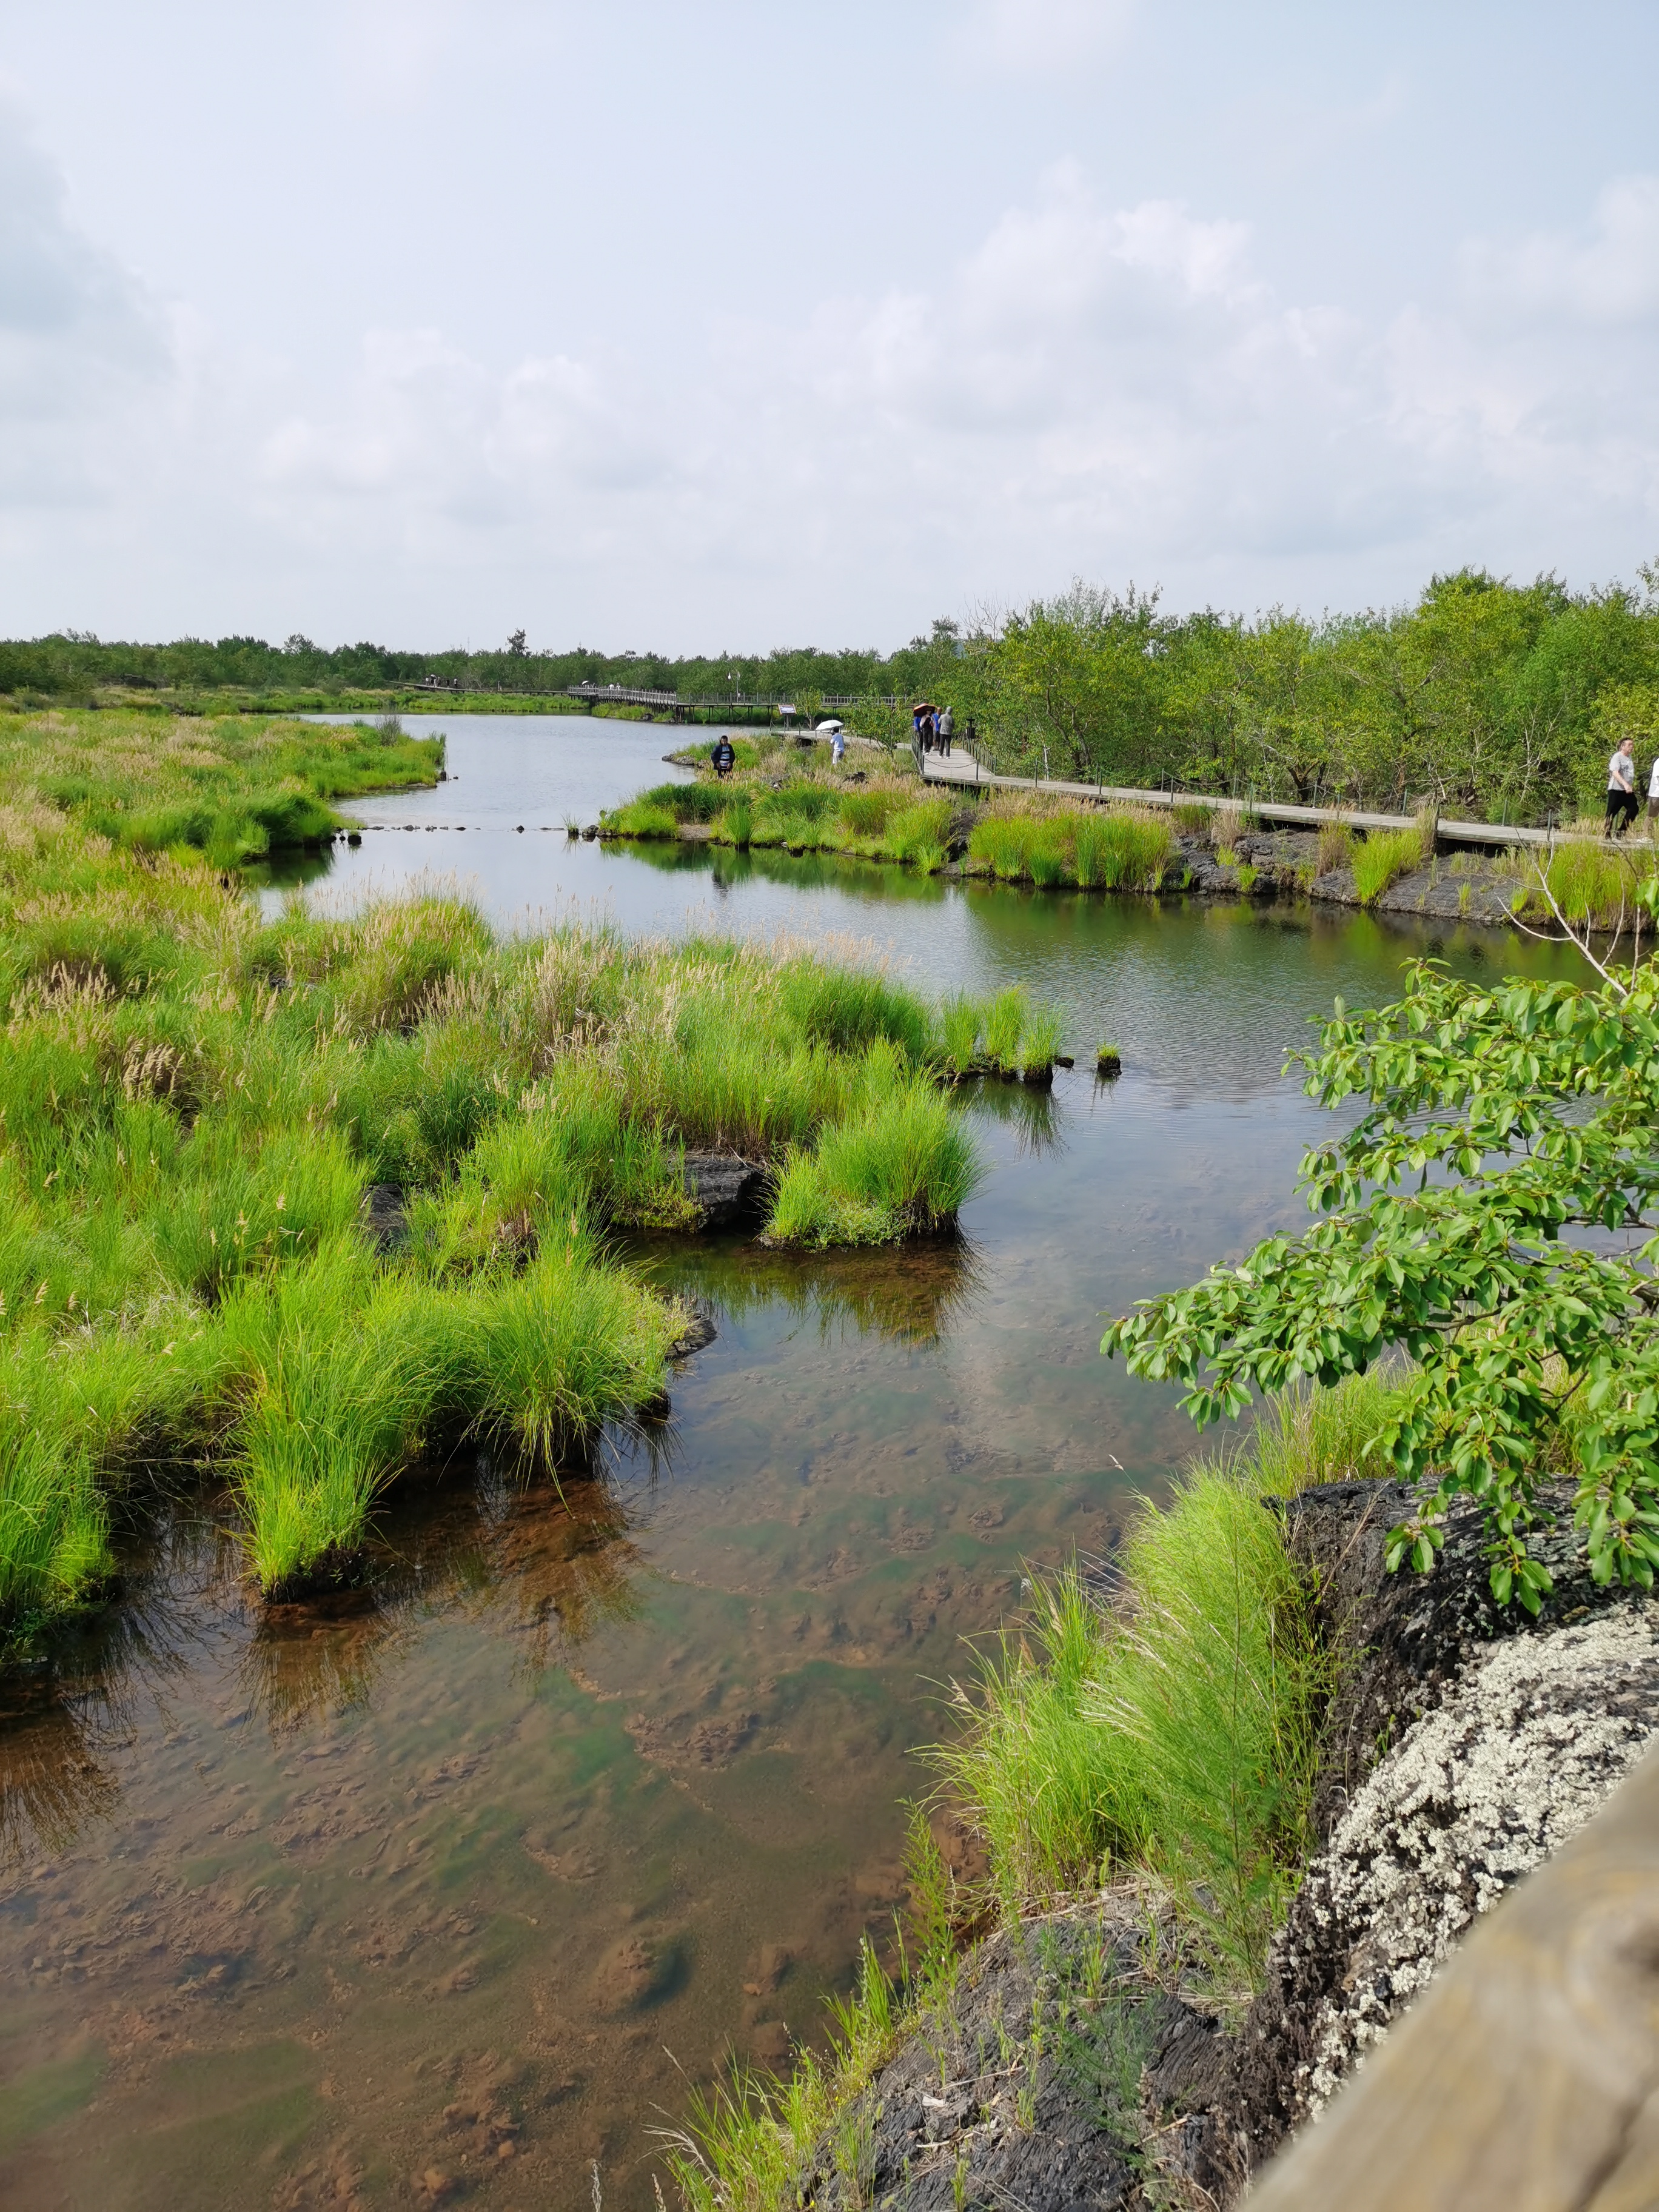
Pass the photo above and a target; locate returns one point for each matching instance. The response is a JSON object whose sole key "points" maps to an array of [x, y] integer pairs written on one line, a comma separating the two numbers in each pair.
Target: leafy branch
{"points": [[1492, 1215]]}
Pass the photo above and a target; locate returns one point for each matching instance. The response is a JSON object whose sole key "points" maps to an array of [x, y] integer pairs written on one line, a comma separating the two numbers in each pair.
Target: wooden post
{"points": [[1527, 2079]]}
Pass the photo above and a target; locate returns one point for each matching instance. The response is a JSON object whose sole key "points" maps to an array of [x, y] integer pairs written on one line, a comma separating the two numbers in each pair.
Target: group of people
{"points": [[1621, 791], [932, 727]]}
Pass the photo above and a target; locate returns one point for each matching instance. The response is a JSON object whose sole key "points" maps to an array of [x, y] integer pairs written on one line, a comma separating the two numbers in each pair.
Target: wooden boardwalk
{"points": [[963, 767], [681, 709]]}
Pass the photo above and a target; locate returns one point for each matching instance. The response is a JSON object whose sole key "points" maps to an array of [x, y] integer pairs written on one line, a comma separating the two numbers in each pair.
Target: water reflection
{"points": [[547, 1562], [912, 1296], [1028, 1109]]}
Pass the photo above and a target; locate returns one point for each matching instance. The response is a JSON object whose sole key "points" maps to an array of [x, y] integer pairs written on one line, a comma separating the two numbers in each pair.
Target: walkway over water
{"points": [[681, 709], [963, 767]]}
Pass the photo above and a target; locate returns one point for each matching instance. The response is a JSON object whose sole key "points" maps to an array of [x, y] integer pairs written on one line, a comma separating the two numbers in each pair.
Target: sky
{"points": [[698, 327]]}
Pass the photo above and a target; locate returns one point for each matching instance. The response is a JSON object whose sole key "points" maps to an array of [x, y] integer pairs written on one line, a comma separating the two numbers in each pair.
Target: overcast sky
{"points": [[723, 326]]}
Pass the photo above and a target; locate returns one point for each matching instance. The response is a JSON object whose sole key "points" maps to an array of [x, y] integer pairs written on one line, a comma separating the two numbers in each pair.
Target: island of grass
{"points": [[775, 798], [304, 1202]]}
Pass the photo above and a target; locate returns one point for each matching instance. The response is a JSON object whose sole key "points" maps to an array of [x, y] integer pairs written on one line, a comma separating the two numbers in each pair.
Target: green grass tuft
{"points": [[1383, 856], [904, 1166], [1173, 1728]]}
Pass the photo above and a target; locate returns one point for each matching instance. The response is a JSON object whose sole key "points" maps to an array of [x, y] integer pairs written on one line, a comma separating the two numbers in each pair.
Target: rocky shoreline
{"points": [[1080, 2059], [1284, 863]]}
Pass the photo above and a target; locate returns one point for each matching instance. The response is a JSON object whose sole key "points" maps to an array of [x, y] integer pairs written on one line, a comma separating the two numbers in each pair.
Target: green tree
{"points": [[1079, 674], [1492, 1213]]}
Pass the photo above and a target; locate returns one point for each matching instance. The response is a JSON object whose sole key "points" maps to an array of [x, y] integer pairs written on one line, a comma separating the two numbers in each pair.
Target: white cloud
{"points": [[1607, 273], [1110, 390]]}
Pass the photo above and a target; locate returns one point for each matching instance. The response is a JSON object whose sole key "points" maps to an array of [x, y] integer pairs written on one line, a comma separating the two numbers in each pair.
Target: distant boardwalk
{"points": [[679, 709]]}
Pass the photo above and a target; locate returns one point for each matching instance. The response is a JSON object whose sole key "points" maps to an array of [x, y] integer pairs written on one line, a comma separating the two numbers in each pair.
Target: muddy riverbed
{"points": [[448, 1894]]}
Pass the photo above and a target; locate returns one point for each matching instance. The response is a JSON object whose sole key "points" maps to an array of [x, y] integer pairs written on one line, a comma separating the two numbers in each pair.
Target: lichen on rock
{"points": [[1526, 1747]]}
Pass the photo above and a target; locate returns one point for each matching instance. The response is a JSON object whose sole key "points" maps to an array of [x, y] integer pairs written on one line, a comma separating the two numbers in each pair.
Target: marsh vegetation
{"points": [[196, 1103]]}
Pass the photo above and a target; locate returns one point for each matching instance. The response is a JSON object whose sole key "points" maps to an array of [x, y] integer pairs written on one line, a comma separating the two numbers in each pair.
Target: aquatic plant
{"points": [[561, 1349], [640, 818], [746, 2143], [1336, 845], [917, 833], [1121, 848], [1004, 1026], [864, 814], [960, 1021], [232, 788], [195, 1103], [903, 1166], [1039, 1043], [1595, 883]]}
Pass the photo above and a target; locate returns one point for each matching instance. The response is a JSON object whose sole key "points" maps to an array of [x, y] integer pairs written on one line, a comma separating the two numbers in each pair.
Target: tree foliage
{"points": [[1484, 698], [1492, 1213]]}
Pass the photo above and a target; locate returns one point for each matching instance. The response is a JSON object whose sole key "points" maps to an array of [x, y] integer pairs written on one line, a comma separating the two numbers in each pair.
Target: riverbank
{"points": [[1101, 2045]]}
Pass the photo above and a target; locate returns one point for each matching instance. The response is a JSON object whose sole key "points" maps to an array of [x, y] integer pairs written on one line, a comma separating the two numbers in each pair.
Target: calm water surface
{"points": [[456, 1887]]}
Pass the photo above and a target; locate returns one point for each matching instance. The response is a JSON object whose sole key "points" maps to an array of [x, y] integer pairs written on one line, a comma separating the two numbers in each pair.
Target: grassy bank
{"points": [[1166, 1733], [1593, 883], [195, 1102], [774, 799], [230, 789]]}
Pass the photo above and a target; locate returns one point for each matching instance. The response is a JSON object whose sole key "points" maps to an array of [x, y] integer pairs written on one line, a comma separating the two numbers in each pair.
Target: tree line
{"points": [[1483, 696]]}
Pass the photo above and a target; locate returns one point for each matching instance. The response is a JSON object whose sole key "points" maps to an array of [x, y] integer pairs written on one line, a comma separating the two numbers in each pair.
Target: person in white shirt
{"points": [[1653, 796], [1621, 789]]}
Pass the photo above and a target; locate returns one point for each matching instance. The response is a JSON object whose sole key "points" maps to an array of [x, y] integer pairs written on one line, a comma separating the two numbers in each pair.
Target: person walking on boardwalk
{"points": [[1621, 789], [946, 726]]}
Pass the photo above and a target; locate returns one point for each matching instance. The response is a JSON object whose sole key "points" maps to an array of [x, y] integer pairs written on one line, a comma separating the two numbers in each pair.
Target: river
{"points": [[456, 1890]]}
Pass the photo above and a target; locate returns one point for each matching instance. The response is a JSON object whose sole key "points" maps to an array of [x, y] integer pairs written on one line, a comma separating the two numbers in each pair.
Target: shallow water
{"points": [[467, 1880]]}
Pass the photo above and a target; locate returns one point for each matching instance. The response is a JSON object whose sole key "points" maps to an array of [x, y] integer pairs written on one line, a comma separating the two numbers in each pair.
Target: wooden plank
{"points": [[1527, 2078], [964, 769]]}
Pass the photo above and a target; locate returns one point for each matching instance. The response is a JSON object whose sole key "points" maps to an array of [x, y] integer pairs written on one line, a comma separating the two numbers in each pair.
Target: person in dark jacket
{"points": [[723, 758]]}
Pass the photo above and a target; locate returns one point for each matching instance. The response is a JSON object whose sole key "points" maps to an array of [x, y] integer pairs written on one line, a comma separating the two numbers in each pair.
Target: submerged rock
{"points": [[698, 1333]]}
